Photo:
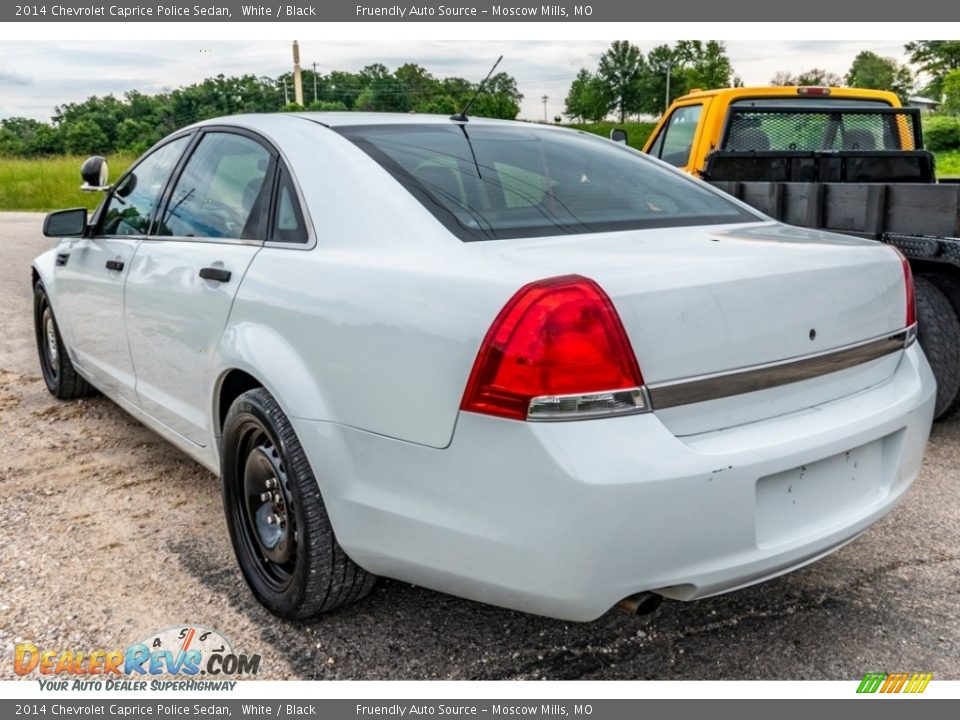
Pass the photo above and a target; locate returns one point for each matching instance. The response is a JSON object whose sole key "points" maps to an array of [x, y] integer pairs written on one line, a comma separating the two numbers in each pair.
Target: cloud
{"points": [[62, 72], [15, 79]]}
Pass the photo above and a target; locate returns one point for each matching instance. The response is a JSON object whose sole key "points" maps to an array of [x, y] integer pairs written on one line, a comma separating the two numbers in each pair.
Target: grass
{"points": [[948, 164], [54, 183], [637, 132], [49, 183]]}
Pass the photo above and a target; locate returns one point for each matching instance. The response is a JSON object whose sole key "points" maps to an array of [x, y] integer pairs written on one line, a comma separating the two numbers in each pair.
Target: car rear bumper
{"points": [[565, 519]]}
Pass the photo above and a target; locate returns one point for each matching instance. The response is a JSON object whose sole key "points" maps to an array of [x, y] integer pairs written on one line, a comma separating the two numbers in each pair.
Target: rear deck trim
{"points": [[704, 388]]}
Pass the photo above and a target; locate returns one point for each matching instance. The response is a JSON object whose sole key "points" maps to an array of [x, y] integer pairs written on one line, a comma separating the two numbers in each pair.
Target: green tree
{"points": [[84, 137], [621, 69], [587, 98], [873, 72], [936, 58], [951, 92], [814, 76], [705, 65], [422, 87], [500, 98]]}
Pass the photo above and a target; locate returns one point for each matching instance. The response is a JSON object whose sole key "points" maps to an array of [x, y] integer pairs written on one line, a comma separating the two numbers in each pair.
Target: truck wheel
{"points": [[278, 523], [938, 331], [61, 377], [949, 285]]}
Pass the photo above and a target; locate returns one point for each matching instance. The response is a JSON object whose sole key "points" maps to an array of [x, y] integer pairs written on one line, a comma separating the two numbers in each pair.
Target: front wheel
{"points": [[61, 377], [278, 522], [938, 331]]}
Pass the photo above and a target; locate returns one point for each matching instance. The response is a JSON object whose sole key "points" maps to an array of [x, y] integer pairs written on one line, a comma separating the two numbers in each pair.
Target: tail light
{"points": [[911, 318], [557, 351], [812, 90]]}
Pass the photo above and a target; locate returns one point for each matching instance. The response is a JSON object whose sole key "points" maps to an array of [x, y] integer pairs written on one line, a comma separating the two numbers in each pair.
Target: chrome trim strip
{"points": [[761, 377]]}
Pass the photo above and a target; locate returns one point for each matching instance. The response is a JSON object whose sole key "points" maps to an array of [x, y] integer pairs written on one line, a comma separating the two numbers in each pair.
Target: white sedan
{"points": [[515, 363]]}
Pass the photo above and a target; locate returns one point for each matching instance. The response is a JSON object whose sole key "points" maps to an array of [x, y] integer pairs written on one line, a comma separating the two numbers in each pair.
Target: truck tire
{"points": [[938, 331], [949, 285]]}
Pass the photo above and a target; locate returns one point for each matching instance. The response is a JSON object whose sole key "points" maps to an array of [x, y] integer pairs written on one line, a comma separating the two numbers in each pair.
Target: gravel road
{"points": [[108, 533]]}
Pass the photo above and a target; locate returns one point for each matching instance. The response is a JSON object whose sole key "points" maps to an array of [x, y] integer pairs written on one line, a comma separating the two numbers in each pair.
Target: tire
{"points": [[61, 377], [949, 285], [938, 330], [284, 543]]}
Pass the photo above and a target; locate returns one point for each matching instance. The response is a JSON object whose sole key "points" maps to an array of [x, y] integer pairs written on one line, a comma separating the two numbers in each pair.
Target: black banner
{"points": [[878, 709], [477, 11]]}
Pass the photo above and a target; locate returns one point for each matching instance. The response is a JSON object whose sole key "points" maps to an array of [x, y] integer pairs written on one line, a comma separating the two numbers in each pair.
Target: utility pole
{"points": [[286, 93], [315, 98], [666, 101], [297, 80], [545, 98]]}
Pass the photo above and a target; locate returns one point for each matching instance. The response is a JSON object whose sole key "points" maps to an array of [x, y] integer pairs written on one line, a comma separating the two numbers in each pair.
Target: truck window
{"points": [[675, 141], [809, 128]]}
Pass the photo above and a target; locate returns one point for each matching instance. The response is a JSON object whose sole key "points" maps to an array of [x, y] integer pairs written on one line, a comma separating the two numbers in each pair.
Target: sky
{"points": [[37, 76]]}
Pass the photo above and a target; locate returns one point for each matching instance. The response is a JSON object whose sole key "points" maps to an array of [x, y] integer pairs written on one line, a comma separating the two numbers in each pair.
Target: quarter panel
{"points": [[383, 342]]}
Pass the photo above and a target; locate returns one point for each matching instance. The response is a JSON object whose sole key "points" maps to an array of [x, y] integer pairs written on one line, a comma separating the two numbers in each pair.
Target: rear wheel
{"points": [[938, 330], [59, 374], [949, 285], [278, 523]]}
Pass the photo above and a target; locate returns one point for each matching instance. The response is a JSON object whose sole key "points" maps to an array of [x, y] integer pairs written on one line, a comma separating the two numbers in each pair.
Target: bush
{"points": [[942, 132]]}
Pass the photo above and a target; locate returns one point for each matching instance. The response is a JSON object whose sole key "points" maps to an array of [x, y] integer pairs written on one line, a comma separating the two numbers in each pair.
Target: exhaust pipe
{"points": [[642, 603]]}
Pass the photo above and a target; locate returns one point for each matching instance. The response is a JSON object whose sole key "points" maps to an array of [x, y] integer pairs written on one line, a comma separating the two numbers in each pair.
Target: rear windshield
{"points": [[488, 183]]}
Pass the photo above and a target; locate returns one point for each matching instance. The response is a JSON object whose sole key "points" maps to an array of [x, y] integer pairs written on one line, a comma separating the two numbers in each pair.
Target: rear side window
{"points": [[487, 182], [223, 191], [288, 223]]}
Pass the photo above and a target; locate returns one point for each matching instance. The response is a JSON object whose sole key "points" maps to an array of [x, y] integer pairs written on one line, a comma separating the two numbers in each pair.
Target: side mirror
{"points": [[619, 135], [65, 223], [95, 174]]}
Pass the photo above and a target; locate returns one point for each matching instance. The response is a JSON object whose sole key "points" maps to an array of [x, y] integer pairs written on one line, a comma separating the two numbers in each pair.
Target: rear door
{"points": [[91, 272], [184, 277]]}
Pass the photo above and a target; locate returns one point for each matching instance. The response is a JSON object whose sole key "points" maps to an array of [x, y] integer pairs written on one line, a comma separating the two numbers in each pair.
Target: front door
{"points": [[91, 271]]}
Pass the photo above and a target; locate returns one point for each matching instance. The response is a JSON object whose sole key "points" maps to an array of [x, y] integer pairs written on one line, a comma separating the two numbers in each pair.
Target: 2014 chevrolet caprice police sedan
{"points": [[515, 363]]}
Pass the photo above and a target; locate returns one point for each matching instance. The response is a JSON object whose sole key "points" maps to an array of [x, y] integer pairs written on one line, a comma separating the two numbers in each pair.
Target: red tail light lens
{"points": [[908, 283], [557, 350]]}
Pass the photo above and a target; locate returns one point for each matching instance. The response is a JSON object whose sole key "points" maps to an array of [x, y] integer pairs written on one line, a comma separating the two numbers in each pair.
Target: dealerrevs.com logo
{"points": [[186, 651]]}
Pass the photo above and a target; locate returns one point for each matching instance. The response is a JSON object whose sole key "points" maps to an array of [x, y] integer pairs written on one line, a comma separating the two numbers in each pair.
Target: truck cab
{"points": [[777, 120]]}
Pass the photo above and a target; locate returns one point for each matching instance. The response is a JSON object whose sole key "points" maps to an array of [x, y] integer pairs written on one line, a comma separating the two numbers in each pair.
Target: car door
{"points": [[183, 278], [90, 271]]}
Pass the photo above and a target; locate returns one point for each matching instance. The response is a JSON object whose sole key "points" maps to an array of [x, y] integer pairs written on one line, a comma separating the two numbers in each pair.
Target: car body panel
{"points": [[174, 322], [90, 304], [566, 519]]}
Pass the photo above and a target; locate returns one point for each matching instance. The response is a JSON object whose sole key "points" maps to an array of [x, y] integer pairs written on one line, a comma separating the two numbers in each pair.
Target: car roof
{"points": [[264, 121]]}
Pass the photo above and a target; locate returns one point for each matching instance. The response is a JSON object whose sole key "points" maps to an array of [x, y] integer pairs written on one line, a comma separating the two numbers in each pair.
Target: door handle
{"points": [[115, 265], [217, 274], [62, 259]]}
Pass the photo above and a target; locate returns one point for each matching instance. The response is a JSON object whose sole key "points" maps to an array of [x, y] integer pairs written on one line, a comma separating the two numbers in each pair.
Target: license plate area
{"points": [[810, 498]]}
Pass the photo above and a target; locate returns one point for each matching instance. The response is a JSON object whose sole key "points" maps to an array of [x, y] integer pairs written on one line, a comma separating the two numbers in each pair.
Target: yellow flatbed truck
{"points": [[839, 159]]}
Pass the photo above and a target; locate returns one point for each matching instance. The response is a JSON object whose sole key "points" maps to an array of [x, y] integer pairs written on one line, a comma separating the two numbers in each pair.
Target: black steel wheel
{"points": [[278, 523], [61, 377]]}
